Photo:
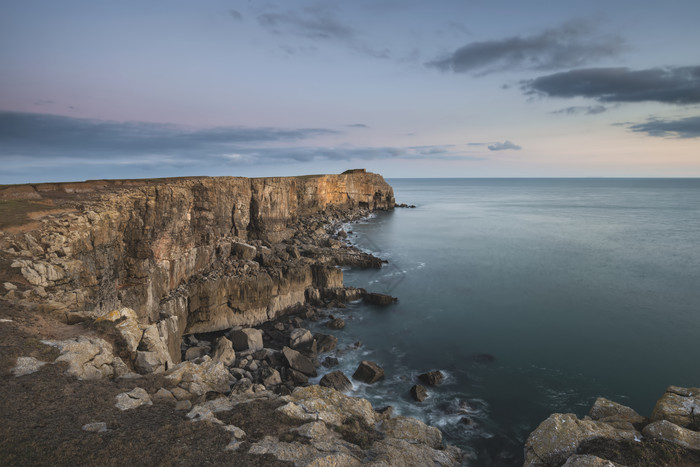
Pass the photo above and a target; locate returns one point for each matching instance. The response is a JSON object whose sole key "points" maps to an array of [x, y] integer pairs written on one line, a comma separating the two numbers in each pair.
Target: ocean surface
{"points": [[533, 296]]}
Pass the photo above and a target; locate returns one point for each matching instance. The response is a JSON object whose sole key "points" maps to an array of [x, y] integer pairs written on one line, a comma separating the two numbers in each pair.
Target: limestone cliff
{"points": [[187, 254]]}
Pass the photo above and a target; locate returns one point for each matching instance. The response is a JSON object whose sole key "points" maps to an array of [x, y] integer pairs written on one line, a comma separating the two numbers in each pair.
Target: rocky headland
{"points": [[162, 322]]}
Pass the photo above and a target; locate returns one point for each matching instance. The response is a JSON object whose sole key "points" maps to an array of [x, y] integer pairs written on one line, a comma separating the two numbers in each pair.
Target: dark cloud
{"points": [[678, 85], [504, 146], [313, 23], [571, 45], [688, 127], [235, 14], [357, 125], [46, 135], [586, 110]]}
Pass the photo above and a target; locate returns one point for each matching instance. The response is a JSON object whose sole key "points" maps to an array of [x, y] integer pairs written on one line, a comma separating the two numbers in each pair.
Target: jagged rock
{"points": [[148, 362], [558, 437], [95, 427], [609, 411], [412, 430], [336, 323], [680, 406], [299, 337], [223, 351], [163, 395], [673, 433], [368, 372], [325, 342], [299, 362], [125, 322], [336, 380], [270, 377], [88, 358], [328, 405], [586, 460], [158, 359], [26, 366], [431, 378], [246, 339], [379, 299], [419, 393], [199, 379], [133, 399]]}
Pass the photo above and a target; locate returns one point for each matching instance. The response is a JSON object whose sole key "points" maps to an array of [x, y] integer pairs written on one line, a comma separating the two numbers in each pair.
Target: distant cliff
{"points": [[186, 254]]}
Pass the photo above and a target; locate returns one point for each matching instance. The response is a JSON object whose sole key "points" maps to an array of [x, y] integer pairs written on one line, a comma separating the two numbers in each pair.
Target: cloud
{"points": [[674, 85], [504, 146], [570, 45], [688, 127], [357, 125], [313, 23], [586, 110], [235, 14]]}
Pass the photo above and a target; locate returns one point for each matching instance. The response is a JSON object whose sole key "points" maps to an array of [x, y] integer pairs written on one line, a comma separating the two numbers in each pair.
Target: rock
{"points": [[125, 322], [299, 337], [180, 394], [328, 405], [394, 451], [148, 362], [368, 372], [325, 342], [673, 433], [243, 250], [336, 323], [431, 378], [680, 406], [379, 299], [419, 392], [297, 377], [9, 286], [26, 366], [95, 427], [199, 379], [133, 399], [334, 454], [336, 380], [270, 377], [330, 362], [297, 361], [246, 339], [193, 353], [413, 430], [159, 359], [587, 460], [223, 351], [183, 405], [88, 358], [609, 411], [163, 396], [558, 437]]}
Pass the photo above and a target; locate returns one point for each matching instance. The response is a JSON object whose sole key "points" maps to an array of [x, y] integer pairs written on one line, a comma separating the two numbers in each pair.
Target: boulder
{"points": [[330, 362], [394, 451], [299, 337], [336, 323], [243, 251], [299, 362], [431, 378], [149, 362], [680, 406], [223, 351], [325, 342], [193, 353], [163, 395], [609, 411], [152, 341], [379, 299], [336, 380], [419, 392], [328, 405], [559, 436], [587, 460], [125, 323], [667, 431], [133, 399], [246, 339], [270, 377], [297, 377], [368, 372], [413, 431], [89, 358], [199, 379]]}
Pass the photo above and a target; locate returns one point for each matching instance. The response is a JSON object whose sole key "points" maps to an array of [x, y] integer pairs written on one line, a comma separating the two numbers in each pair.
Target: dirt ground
{"points": [[42, 414]]}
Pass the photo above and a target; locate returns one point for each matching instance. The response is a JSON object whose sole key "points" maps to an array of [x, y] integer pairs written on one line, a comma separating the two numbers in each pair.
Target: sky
{"points": [[441, 88]]}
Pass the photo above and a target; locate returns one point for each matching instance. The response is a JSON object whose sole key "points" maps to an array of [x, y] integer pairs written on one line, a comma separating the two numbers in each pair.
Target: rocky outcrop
{"points": [[614, 434], [184, 256]]}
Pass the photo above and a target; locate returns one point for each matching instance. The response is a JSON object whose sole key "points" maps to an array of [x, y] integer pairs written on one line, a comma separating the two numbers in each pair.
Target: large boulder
{"points": [[299, 336], [299, 362], [680, 406], [368, 372], [199, 378], [124, 322], [608, 411], [246, 339], [153, 355], [559, 436], [328, 405], [673, 433], [89, 358], [336, 380], [223, 351], [325, 342]]}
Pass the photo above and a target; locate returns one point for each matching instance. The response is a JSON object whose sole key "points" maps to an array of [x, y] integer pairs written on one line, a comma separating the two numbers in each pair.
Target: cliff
{"points": [[185, 254]]}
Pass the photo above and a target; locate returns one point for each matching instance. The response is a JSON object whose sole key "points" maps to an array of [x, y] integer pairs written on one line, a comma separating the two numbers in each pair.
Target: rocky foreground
{"points": [[162, 321]]}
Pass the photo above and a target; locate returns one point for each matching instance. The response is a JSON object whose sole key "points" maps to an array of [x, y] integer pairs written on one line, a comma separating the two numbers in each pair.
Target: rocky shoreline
{"points": [[199, 316]]}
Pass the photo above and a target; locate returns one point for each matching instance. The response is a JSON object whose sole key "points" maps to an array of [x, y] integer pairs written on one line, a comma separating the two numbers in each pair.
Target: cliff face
{"points": [[187, 255]]}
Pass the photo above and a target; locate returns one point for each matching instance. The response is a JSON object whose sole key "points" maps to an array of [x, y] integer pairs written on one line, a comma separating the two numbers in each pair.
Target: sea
{"points": [[531, 296]]}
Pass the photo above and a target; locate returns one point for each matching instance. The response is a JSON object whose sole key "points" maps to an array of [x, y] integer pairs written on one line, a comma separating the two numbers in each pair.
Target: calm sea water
{"points": [[578, 288]]}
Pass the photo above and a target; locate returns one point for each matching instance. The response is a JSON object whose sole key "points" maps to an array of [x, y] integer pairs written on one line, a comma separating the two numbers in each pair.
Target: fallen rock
{"points": [[125, 322], [246, 339], [299, 337], [336, 380], [89, 358], [609, 411], [328, 405], [673, 433], [133, 399], [163, 395], [299, 362], [243, 251], [199, 379], [325, 342], [223, 351], [270, 377], [394, 451], [183, 405], [149, 362], [193, 353], [419, 392], [26, 366], [413, 431], [680, 406], [431, 378], [368, 372], [304, 454], [330, 362], [337, 323], [379, 299]]}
